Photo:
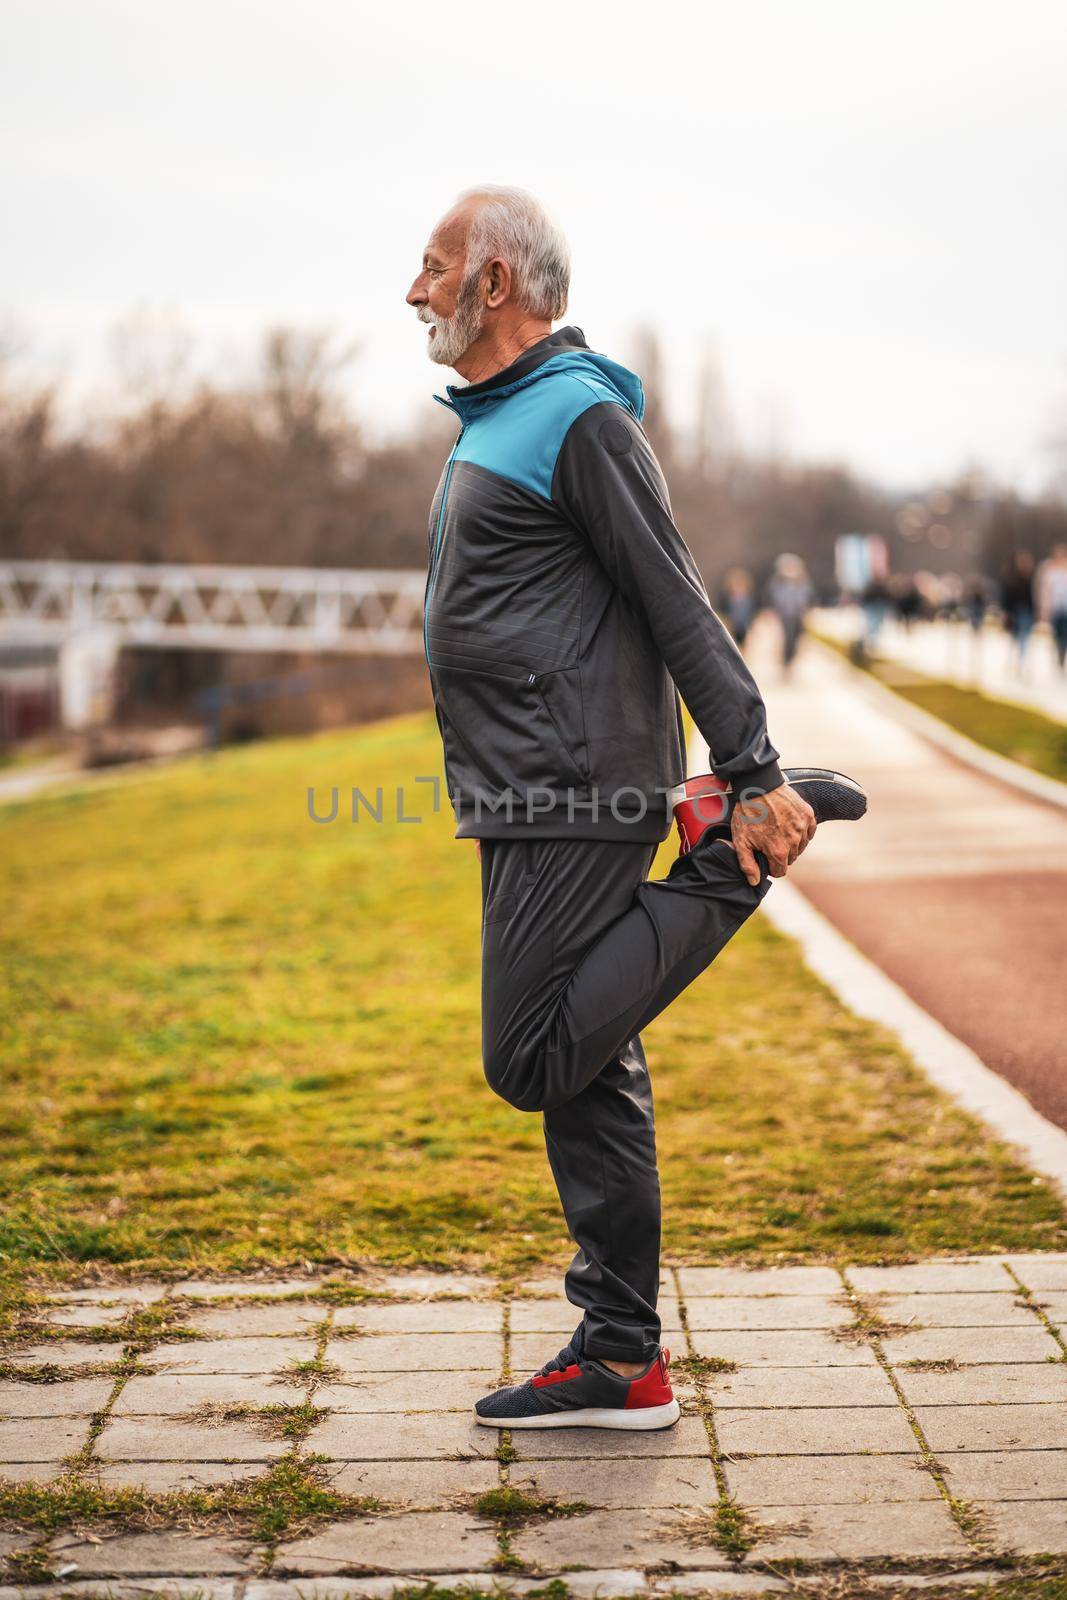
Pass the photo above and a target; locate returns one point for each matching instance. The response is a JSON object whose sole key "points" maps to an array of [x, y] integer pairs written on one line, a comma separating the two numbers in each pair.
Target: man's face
{"points": [[443, 297]]}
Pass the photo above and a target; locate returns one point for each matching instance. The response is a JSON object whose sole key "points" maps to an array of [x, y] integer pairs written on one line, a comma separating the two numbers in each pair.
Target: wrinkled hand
{"points": [[779, 823]]}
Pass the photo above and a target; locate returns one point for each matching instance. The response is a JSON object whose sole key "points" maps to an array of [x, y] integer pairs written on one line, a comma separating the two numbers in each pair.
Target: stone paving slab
{"points": [[407, 1391], [1028, 1527], [1020, 1427], [991, 1385], [622, 1483], [63, 1353], [696, 1281], [830, 1480], [1008, 1474], [464, 1285], [973, 1345], [172, 1393], [428, 1316], [174, 1439], [1040, 1272], [54, 1439], [953, 1310], [163, 1477], [936, 1277], [434, 1435], [767, 1311], [687, 1438], [246, 1322], [135, 1589], [778, 1387], [640, 1539], [170, 1554], [807, 1348], [852, 1533], [428, 1541], [232, 1355], [419, 1352], [30, 1471], [243, 1288], [79, 1398], [128, 1295], [1055, 1308], [86, 1314], [849, 1430], [418, 1485]]}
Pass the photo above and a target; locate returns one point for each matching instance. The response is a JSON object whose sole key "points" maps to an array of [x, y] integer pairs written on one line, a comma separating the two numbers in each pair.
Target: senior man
{"points": [[563, 616]]}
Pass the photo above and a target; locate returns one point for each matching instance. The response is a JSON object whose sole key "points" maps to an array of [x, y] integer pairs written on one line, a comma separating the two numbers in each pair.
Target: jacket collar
{"points": [[465, 399]]}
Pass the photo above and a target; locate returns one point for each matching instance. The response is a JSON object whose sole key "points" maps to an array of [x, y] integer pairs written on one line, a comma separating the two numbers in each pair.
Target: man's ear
{"points": [[498, 283]]}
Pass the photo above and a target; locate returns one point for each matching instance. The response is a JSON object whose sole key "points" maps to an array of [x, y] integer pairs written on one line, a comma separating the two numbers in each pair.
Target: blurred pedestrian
{"points": [[790, 595], [1017, 602], [1051, 592], [737, 599], [906, 599]]}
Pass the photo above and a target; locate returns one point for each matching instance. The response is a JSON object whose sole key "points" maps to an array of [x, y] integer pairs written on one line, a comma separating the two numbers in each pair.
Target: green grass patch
{"points": [[232, 1038]]}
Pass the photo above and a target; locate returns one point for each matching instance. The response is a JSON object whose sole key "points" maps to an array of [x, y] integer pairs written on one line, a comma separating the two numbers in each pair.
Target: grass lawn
{"points": [[1016, 732], [231, 1036]]}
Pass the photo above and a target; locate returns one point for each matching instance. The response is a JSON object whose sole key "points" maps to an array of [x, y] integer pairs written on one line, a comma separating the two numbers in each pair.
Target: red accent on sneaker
{"points": [[654, 1388], [561, 1375], [699, 803]]}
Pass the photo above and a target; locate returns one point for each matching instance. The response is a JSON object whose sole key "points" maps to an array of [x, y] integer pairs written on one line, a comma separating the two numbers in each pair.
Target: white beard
{"points": [[454, 335]]}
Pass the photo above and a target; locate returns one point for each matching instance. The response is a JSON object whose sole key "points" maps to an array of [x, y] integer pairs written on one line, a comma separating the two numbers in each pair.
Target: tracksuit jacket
{"points": [[564, 613]]}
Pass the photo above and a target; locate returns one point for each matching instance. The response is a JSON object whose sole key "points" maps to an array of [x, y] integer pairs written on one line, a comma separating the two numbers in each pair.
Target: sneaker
{"points": [[706, 802], [576, 1391]]}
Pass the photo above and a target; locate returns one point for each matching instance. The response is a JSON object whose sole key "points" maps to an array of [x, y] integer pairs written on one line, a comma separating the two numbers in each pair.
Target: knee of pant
{"points": [[503, 1077]]}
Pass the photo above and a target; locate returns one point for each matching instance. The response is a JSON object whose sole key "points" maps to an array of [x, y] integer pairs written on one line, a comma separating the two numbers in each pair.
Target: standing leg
{"points": [[545, 903]]}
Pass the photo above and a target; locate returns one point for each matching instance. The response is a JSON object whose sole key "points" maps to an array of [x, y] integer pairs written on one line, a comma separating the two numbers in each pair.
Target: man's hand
{"points": [[779, 823], [478, 848]]}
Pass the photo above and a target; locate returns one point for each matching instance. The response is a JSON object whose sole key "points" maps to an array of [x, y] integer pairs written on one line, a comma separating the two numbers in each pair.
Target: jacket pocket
{"points": [[560, 696]]}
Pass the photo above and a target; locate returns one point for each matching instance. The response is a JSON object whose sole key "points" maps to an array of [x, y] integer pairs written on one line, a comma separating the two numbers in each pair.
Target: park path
{"points": [[952, 651], [886, 1416], [954, 883]]}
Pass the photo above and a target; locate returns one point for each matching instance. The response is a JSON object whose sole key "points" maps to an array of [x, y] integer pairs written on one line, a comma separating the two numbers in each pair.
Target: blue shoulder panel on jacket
{"points": [[520, 438]]}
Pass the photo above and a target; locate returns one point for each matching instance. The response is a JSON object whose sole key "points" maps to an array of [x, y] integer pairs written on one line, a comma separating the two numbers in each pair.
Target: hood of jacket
{"points": [[562, 351]]}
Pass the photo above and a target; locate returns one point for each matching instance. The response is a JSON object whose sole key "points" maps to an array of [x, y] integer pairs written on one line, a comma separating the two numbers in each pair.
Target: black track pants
{"points": [[580, 949]]}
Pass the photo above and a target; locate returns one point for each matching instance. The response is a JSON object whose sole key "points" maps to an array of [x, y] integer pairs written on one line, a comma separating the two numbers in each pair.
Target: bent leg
{"points": [[553, 1016]]}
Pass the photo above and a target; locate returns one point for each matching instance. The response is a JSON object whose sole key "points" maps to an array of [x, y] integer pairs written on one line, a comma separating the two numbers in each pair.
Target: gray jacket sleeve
{"points": [[608, 483]]}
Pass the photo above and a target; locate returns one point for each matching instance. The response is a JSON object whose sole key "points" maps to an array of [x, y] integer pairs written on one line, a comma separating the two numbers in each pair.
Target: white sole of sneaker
{"points": [[639, 1419]]}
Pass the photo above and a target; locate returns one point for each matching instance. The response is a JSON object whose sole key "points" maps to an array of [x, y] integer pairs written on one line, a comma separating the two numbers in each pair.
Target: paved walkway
{"points": [[892, 1417], [954, 884], [951, 651]]}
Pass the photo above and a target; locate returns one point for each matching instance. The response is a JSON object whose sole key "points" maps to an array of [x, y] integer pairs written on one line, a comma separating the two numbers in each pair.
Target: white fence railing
{"points": [[208, 607]]}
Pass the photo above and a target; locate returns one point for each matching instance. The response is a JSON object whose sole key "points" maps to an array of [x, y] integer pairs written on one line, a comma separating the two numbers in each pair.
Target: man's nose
{"points": [[416, 295]]}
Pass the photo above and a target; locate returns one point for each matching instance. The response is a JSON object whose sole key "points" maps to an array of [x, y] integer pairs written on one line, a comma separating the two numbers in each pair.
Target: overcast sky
{"points": [[860, 205]]}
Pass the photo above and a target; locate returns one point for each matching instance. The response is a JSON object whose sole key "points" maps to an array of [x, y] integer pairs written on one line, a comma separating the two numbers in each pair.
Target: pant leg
{"points": [[540, 914], [557, 1006], [602, 1151]]}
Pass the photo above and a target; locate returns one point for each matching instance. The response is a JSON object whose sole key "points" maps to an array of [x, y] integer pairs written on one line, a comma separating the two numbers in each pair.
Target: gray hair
{"points": [[514, 225]]}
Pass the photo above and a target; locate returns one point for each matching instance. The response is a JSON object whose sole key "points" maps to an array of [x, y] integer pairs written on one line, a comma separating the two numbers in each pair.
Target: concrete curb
{"points": [[936, 732], [953, 1066]]}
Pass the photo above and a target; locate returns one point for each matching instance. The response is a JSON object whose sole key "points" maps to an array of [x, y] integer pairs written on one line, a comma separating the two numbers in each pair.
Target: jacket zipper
{"points": [[437, 548]]}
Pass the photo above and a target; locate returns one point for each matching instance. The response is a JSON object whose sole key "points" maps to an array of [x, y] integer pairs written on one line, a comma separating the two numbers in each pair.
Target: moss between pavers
{"points": [[291, 1497]]}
